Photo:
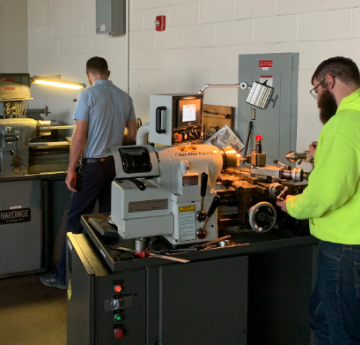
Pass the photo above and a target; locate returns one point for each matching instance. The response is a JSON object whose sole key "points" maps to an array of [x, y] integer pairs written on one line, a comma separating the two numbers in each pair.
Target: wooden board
{"points": [[217, 116]]}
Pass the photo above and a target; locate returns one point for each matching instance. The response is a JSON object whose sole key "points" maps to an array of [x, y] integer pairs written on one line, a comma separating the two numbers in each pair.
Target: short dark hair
{"points": [[97, 65], [343, 68]]}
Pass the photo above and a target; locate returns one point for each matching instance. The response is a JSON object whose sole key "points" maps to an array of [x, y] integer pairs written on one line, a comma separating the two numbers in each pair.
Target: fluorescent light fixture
{"points": [[57, 82]]}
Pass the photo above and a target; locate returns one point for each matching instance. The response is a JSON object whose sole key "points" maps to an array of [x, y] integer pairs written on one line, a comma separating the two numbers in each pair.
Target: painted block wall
{"points": [[200, 45], [61, 38], [204, 38], [13, 36]]}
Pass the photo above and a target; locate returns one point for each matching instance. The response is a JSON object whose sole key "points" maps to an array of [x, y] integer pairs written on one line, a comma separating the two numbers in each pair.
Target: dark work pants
{"points": [[93, 183], [335, 302]]}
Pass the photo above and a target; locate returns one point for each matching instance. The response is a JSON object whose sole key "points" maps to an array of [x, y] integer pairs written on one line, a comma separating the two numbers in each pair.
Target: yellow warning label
{"points": [[69, 292], [182, 148], [190, 208], [193, 148]]}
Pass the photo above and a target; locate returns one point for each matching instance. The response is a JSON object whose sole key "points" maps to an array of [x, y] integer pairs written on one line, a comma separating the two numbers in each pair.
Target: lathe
{"points": [[175, 191], [253, 190], [169, 191], [33, 164], [20, 154]]}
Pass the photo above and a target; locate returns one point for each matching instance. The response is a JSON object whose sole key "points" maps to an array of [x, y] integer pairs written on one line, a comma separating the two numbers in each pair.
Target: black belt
{"points": [[96, 160]]}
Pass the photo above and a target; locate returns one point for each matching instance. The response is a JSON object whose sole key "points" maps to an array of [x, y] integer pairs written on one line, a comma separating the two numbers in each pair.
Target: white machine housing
{"points": [[169, 204]]}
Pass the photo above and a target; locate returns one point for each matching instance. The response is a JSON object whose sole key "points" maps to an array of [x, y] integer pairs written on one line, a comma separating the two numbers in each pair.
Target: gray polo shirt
{"points": [[107, 109]]}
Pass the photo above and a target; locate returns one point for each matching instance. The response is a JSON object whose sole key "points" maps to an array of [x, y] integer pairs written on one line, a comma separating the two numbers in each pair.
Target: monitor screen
{"points": [[189, 112]]}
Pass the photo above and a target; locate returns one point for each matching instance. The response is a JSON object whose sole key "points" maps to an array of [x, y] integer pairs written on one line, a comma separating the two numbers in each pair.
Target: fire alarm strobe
{"points": [[160, 23]]}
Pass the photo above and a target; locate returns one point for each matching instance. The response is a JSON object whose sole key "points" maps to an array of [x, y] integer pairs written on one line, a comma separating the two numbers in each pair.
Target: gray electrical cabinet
{"points": [[278, 123], [111, 17]]}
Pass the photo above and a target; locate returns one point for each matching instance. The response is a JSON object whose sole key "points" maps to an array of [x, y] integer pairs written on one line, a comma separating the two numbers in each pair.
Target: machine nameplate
{"points": [[187, 222], [190, 180], [148, 205], [15, 216]]}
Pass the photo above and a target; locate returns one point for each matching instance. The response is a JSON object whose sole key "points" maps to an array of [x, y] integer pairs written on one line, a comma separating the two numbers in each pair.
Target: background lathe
{"points": [[33, 162]]}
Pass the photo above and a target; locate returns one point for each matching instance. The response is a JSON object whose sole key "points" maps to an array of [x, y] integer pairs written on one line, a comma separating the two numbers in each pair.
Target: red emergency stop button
{"points": [[258, 138], [118, 333], [179, 138]]}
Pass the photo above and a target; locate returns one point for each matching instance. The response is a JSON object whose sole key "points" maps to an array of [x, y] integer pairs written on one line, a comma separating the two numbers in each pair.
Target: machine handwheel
{"points": [[262, 217]]}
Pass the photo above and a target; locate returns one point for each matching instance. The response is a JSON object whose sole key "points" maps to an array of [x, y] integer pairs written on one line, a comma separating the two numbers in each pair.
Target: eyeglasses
{"points": [[313, 90]]}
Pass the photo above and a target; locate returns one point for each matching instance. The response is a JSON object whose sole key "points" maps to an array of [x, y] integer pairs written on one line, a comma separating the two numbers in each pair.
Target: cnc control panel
{"points": [[176, 118]]}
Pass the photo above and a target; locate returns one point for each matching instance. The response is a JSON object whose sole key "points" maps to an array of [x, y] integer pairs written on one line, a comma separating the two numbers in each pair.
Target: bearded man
{"points": [[332, 204]]}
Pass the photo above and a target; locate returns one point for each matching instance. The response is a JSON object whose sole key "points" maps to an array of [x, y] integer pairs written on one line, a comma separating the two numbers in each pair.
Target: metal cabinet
{"points": [[196, 303]]}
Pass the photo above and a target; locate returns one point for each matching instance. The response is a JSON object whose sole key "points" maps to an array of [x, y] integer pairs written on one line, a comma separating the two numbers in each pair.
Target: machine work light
{"points": [[57, 82]]}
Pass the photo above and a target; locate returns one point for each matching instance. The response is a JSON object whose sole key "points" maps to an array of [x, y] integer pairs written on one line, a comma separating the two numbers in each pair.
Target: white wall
{"points": [[61, 36], [204, 38], [13, 37], [200, 45]]}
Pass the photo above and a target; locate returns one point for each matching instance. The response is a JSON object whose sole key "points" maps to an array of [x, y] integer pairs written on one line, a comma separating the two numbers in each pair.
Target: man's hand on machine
{"points": [[312, 147], [282, 203], [71, 180]]}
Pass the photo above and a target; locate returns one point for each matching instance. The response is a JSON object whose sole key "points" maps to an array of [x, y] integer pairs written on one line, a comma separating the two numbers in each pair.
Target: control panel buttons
{"points": [[117, 288], [118, 333], [118, 317]]}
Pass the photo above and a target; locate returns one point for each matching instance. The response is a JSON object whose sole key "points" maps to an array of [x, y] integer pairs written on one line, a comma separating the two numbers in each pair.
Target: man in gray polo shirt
{"points": [[103, 113]]}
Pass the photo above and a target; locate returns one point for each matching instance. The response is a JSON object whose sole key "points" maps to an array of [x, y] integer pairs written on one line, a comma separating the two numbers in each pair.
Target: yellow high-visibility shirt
{"points": [[331, 201]]}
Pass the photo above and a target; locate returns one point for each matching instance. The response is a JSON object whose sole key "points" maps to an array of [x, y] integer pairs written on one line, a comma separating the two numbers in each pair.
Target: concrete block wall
{"points": [[61, 38], [13, 36], [201, 44], [204, 38]]}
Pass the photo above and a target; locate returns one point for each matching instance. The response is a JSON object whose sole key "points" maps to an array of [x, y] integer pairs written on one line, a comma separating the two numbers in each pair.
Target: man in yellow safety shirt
{"points": [[332, 204]]}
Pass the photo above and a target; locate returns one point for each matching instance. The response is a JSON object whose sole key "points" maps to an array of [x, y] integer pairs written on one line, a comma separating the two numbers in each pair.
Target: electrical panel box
{"points": [[111, 17], [277, 124]]}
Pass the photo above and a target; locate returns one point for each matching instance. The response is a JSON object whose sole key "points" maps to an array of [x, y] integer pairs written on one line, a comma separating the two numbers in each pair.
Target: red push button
{"points": [[179, 138], [118, 333], [117, 288]]}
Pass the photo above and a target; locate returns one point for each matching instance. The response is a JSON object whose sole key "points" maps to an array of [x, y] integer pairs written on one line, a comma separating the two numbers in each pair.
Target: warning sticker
{"points": [[192, 180], [190, 208], [193, 148], [69, 291], [182, 148], [103, 27], [265, 63], [187, 222], [15, 216], [268, 79]]}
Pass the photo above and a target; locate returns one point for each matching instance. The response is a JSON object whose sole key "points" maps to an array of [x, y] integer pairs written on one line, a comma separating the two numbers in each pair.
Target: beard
{"points": [[327, 105]]}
